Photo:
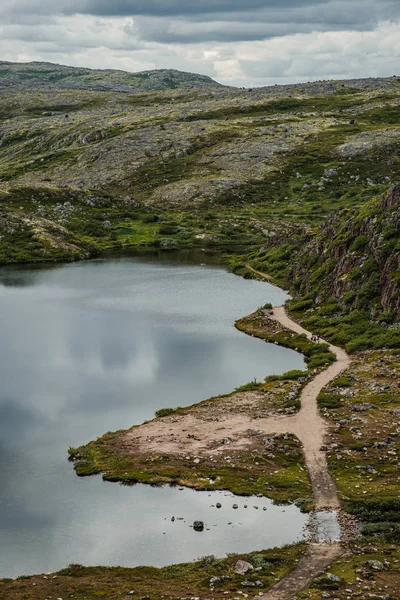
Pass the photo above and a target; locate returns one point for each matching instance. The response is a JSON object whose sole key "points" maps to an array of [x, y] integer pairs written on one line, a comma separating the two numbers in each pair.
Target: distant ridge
{"points": [[38, 74]]}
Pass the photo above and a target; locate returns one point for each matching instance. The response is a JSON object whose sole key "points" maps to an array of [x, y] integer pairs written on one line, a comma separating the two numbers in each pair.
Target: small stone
{"points": [[333, 577]]}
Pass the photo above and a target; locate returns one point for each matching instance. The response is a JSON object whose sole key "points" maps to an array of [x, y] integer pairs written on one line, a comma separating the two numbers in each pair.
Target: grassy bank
{"points": [[188, 580]]}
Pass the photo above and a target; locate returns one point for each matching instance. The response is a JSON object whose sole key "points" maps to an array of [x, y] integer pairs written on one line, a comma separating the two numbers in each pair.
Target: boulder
{"points": [[376, 565], [242, 567]]}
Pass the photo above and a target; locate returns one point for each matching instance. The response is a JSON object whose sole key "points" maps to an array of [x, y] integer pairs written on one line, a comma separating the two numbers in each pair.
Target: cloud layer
{"points": [[256, 42]]}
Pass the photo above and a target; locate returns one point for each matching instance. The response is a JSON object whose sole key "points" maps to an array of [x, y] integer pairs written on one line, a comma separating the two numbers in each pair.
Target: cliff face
{"points": [[355, 258]]}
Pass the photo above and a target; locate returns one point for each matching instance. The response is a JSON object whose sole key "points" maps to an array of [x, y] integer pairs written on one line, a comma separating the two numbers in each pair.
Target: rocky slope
{"points": [[355, 258]]}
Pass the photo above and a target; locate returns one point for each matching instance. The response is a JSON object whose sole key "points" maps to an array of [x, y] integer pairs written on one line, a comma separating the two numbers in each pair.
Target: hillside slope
{"points": [[36, 75]]}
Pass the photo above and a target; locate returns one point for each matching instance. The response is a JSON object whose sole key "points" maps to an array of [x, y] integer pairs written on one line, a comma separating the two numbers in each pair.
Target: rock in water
{"points": [[198, 525]]}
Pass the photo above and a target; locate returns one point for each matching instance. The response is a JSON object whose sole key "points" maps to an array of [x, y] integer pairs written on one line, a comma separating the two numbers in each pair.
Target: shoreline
{"points": [[319, 555]]}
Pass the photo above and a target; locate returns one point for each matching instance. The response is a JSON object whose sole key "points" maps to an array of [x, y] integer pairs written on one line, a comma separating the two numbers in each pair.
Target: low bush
{"points": [[389, 532], [376, 510], [342, 382], [249, 387], [291, 375], [326, 400], [301, 305], [165, 412]]}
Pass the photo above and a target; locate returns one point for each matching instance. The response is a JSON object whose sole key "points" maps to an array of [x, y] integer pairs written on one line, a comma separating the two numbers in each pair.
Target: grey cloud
{"points": [[146, 7], [214, 9], [215, 20], [188, 32]]}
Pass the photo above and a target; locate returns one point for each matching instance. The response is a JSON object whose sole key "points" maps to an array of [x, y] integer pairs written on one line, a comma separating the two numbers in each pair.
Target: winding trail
{"points": [[311, 429], [309, 426]]}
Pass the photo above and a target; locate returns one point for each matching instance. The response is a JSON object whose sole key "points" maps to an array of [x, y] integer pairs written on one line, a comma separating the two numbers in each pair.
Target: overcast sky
{"points": [[237, 42]]}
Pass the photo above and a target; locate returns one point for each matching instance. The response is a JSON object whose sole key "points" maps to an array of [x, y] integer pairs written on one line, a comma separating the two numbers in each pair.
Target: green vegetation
{"points": [[364, 405], [174, 581], [367, 570], [280, 475]]}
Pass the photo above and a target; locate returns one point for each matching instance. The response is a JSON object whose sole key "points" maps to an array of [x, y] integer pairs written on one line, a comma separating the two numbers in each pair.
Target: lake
{"points": [[98, 346]]}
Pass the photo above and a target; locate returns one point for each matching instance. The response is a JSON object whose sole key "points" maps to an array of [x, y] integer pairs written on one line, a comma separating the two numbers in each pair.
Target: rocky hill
{"points": [[38, 75]]}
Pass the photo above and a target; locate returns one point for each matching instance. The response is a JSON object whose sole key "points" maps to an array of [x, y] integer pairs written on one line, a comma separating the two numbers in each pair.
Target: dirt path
{"points": [[262, 275], [311, 429], [313, 563]]}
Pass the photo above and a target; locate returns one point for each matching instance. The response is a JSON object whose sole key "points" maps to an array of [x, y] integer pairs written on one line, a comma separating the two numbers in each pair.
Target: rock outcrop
{"points": [[356, 257]]}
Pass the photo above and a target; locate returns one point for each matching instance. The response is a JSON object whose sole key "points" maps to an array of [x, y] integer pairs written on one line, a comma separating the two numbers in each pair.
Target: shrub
{"points": [[260, 561], [342, 382], [151, 219], [359, 243], [249, 387], [168, 229], [376, 510], [326, 400], [291, 375], [164, 412], [301, 305], [326, 583], [389, 532]]}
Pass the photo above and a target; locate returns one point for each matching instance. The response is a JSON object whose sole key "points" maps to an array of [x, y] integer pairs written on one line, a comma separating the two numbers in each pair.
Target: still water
{"points": [[98, 346]]}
